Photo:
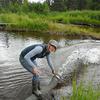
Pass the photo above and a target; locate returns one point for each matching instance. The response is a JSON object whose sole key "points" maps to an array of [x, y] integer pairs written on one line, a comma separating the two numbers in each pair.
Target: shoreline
{"points": [[82, 35], [75, 23]]}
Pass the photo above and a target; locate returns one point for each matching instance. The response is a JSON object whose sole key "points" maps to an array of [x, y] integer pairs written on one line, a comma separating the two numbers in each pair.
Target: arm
{"points": [[32, 53], [50, 63]]}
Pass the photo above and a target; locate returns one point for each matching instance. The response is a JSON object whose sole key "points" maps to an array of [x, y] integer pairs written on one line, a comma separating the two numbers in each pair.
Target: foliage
{"points": [[58, 5], [62, 5], [84, 92], [39, 8], [53, 5], [25, 7], [24, 21], [55, 22], [81, 17]]}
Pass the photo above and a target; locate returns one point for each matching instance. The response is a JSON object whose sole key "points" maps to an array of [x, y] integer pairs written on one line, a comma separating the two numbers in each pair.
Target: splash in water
{"points": [[81, 55]]}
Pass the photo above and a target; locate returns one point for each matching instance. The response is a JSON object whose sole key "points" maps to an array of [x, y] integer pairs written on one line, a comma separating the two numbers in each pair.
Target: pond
{"points": [[15, 81]]}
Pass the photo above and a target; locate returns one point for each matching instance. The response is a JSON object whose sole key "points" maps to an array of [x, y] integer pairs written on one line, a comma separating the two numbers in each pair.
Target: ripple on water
{"points": [[15, 81]]}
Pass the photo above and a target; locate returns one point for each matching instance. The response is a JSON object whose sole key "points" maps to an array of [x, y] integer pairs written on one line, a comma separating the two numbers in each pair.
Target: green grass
{"points": [[88, 17], [56, 22], [84, 92], [24, 21]]}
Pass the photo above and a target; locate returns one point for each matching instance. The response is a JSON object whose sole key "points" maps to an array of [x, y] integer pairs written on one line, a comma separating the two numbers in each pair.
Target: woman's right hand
{"points": [[36, 71]]}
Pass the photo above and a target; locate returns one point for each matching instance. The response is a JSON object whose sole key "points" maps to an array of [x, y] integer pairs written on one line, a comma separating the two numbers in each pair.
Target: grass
{"points": [[24, 21], [84, 92], [88, 17], [55, 22]]}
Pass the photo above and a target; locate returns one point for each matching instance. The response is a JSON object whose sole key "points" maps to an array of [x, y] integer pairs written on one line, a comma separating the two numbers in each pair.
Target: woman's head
{"points": [[52, 45]]}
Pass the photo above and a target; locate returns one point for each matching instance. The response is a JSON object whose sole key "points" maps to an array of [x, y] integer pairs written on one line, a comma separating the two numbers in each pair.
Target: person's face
{"points": [[51, 48]]}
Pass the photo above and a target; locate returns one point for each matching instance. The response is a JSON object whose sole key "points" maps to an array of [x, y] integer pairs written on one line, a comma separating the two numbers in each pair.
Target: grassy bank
{"points": [[82, 92], [24, 21], [54, 22]]}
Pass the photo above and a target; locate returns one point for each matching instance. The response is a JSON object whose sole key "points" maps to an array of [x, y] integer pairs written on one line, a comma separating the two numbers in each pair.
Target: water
{"points": [[15, 81], [80, 61], [83, 55]]}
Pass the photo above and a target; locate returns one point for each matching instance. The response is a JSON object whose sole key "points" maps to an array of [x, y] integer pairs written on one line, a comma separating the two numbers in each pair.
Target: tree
{"points": [[71, 4], [95, 5], [48, 2], [4, 3], [58, 5], [82, 4], [39, 8], [88, 4]]}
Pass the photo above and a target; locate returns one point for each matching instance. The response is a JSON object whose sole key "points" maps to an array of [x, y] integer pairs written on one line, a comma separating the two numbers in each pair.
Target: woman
{"points": [[28, 60]]}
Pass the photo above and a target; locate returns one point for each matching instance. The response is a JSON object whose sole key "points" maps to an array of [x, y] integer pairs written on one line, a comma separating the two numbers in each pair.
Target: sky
{"points": [[36, 0]]}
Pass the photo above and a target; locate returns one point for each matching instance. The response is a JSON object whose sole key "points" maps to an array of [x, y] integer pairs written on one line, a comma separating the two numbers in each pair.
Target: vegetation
{"points": [[25, 7], [87, 17], [55, 5], [85, 92], [44, 17], [46, 22], [56, 16], [61, 5]]}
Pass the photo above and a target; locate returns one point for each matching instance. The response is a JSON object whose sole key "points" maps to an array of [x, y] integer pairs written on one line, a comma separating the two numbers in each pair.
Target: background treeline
{"points": [[22, 6], [24, 16], [61, 5], [48, 5]]}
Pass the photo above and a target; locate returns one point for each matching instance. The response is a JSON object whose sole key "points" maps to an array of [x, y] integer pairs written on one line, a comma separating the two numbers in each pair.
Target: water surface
{"points": [[15, 81]]}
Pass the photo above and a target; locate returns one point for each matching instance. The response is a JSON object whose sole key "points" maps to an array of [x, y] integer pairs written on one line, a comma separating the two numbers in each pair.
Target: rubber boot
{"points": [[39, 85], [35, 89]]}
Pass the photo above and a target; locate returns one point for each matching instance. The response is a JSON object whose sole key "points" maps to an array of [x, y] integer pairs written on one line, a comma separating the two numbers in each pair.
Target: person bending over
{"points": [[28, 58]]}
